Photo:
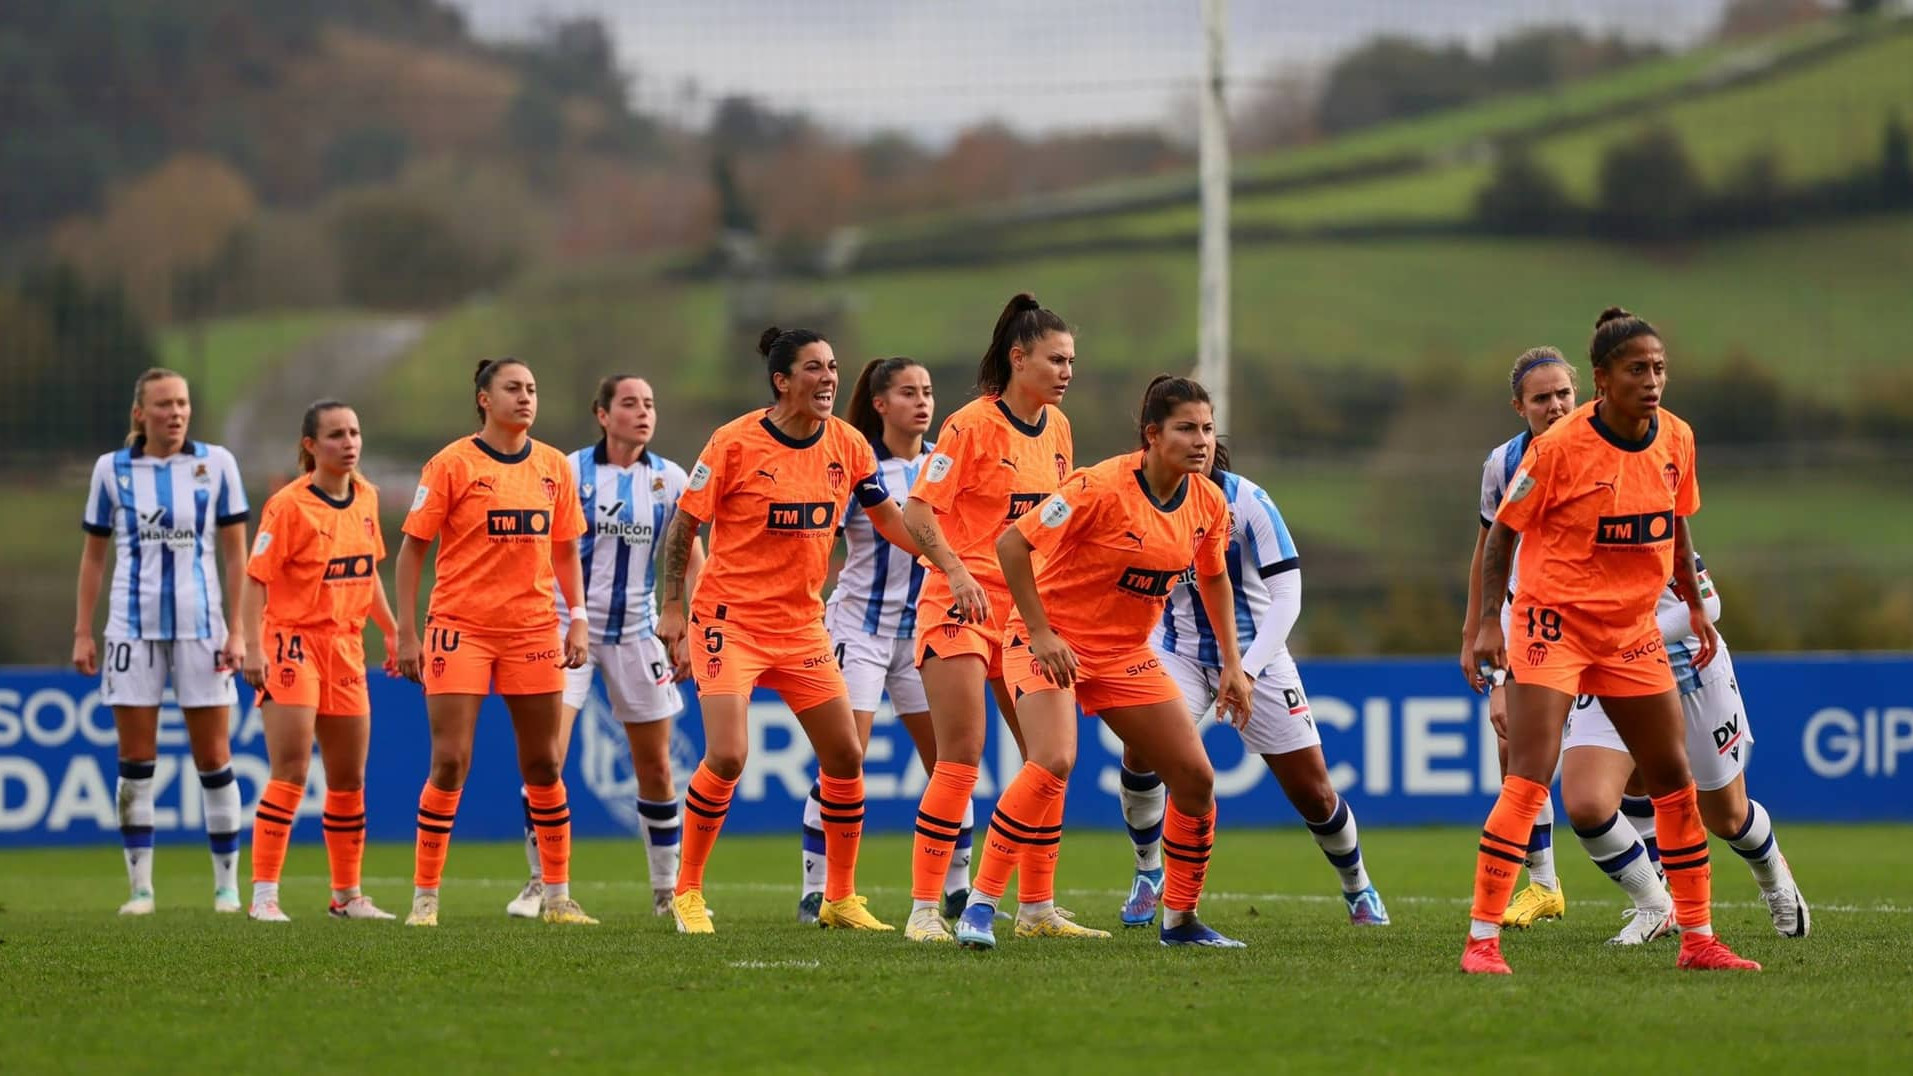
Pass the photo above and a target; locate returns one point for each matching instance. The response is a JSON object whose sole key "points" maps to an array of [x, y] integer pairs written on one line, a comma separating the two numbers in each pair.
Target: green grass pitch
{"points": [[81, 990]]}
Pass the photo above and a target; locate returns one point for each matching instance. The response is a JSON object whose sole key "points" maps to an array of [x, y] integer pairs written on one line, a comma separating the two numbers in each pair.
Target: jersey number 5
{"points": [[713, 640]]}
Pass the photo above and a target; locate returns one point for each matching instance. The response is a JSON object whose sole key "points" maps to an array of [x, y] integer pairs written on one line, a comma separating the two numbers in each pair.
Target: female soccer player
{"points": [[629, 494], [872, 612], [1542, 391], [997, 457], [1115, 539], [311, 581], [505, 511], [1266, 588], [1601, 502], [771, 484], [164, 502]]}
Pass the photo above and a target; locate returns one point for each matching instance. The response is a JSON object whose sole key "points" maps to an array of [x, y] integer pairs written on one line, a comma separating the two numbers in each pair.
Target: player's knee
{"points": [[540, 771], [652, 771], [344, 782], [1723, 819], [845, 760], [293, 772], [1314, 799], [1584, 810], [725, 763], [213, 756], [449, 769], [1059, 761], [1192, 788]]}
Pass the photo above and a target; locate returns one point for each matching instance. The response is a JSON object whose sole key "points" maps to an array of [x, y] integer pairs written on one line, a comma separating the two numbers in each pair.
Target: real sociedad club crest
{"points": [[605, 758]]}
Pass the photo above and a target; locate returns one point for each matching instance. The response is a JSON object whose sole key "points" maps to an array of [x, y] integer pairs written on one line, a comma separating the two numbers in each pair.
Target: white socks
{"points": [[135, 795], [1338, 840], [1144, 799], [1618, 851]]}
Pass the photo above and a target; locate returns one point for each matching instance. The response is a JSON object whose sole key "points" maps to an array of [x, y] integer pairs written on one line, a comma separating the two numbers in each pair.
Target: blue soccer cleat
{"points": [[1193, 932], [1145, 892], [976, 927], [1365, 908]]}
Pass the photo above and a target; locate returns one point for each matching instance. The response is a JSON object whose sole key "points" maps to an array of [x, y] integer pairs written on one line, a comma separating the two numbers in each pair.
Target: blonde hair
{"points": [[156, 373]]}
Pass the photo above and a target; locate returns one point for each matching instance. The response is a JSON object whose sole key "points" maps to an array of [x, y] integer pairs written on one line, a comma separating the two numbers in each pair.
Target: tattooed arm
{"points": [[680, 539], [1497, 557], [971, 602]]}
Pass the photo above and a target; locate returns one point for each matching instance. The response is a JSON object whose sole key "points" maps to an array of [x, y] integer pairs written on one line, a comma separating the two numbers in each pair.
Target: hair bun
{"points": [[767, 340], [478, 375], [1025, 301], [1612, 313]]}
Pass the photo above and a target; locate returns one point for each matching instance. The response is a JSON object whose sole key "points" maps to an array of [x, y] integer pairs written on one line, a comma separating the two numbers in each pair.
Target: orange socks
{"points": [[1504, 843], [1187, 841], [843, 816], [1014, 826], [706, 801], [345, 837], [1683, 842], [436, 809], [551, 817], [272, 829], [939, 820], [1040, 852]]}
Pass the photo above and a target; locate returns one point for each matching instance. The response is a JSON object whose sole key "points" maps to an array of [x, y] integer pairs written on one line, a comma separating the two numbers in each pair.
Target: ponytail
{"points": [[1023, 322], [1612, 331], [873, 382]]}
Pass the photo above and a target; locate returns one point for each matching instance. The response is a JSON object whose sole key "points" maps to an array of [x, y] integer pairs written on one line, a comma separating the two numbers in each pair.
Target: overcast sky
{"points": [[933, 67]]}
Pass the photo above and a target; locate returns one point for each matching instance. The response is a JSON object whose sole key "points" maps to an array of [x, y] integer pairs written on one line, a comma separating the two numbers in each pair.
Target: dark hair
{"points": [[1023, 322], [156, 373], [1532, 358], [482, 379], [309, 427], [1221, 463], [608, 391], [1612, 331], [874, 381], [780, 347], [1164, 394]]}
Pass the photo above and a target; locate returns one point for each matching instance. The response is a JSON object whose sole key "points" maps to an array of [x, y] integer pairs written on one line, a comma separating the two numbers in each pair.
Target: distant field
{"points": [[225, 356]]}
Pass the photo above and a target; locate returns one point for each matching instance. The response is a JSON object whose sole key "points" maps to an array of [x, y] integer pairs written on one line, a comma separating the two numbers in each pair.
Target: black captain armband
{"points": [[870, 494]]}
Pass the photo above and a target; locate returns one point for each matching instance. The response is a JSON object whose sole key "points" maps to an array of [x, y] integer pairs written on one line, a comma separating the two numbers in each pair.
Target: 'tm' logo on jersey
{"points": [[800, 516], [1648, 528], [348, 569], [1021, 503], [1148, 582], [509, 524]]}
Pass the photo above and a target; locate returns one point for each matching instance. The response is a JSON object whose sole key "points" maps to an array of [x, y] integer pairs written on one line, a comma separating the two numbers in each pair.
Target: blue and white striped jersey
{"points": [[1496, 473], [627, 510], [879, 580], [163, 515], [1259, 548]]}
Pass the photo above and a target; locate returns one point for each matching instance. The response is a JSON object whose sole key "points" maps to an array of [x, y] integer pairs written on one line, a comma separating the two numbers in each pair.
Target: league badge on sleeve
{"points": [[700, 475], [1522, 486], [940, 465], [1056, 512]]}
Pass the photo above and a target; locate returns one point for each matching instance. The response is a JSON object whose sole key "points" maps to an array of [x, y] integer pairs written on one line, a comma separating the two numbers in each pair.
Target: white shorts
{"points": [[1279, 718], [1719, 738], [874, 664], [631, 671], [133, 672]]}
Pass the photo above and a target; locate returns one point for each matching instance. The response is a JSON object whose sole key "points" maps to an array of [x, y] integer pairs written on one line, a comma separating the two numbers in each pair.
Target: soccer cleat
{"points": [[953, 903], [1193, 931], [1145, 893], [976, 927], [1055, 924], [359, 907], [529, 901], [850, 913], [1534, 904], [565, 910], [1644, 925], [1788, 907], [808, 907], [1483, 957], [140, 904], [661, 902], [226, 901], [1704, 952], [925, 925], [1365, 909], [268, 912], [424, 911], [692, 918]]}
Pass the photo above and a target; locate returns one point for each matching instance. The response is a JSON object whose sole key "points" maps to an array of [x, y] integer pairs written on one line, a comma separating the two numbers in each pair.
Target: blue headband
{"points": [[1514, 383]]}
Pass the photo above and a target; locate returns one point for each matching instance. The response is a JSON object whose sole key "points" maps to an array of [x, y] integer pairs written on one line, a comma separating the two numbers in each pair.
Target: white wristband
{"points": [[578, 615]]}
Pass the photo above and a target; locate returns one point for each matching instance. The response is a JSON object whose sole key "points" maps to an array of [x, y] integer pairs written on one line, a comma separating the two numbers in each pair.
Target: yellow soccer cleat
{"points": [[1534, 904], [925, 925], [850, 913], [567, 911], [1055, 924], [691, 915], [424, 911]]}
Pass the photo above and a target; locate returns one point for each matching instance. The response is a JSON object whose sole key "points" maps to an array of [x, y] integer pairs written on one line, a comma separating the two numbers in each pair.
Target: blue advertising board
{"points": [[1406, 744]]}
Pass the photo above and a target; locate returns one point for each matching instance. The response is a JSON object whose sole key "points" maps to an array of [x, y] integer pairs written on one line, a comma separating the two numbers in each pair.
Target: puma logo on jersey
{"points": [[770, 474], [1609, 486], [1011, 464], [1134, 537]]}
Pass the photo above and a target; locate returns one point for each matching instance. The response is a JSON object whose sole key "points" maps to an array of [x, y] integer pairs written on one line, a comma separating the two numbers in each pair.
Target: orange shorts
{"points": [[321, 669], [465, 662], [1560, 649], [941, 635], [801, 667], [1105, 683]]}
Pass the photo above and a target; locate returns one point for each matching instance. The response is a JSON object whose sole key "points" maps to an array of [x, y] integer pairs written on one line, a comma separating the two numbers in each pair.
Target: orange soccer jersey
{"points": [[496, 517], [989, 469], [1110, 553], [774, 503], [1596, 514], [316, 557]]}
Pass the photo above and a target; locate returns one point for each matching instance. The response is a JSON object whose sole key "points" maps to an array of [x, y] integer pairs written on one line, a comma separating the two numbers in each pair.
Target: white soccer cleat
{"points": [[359, 907], [424, 910], [1787, 907], [140, 904], [268, 912], [530, 901], [1644, 925], [226, 902]]}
